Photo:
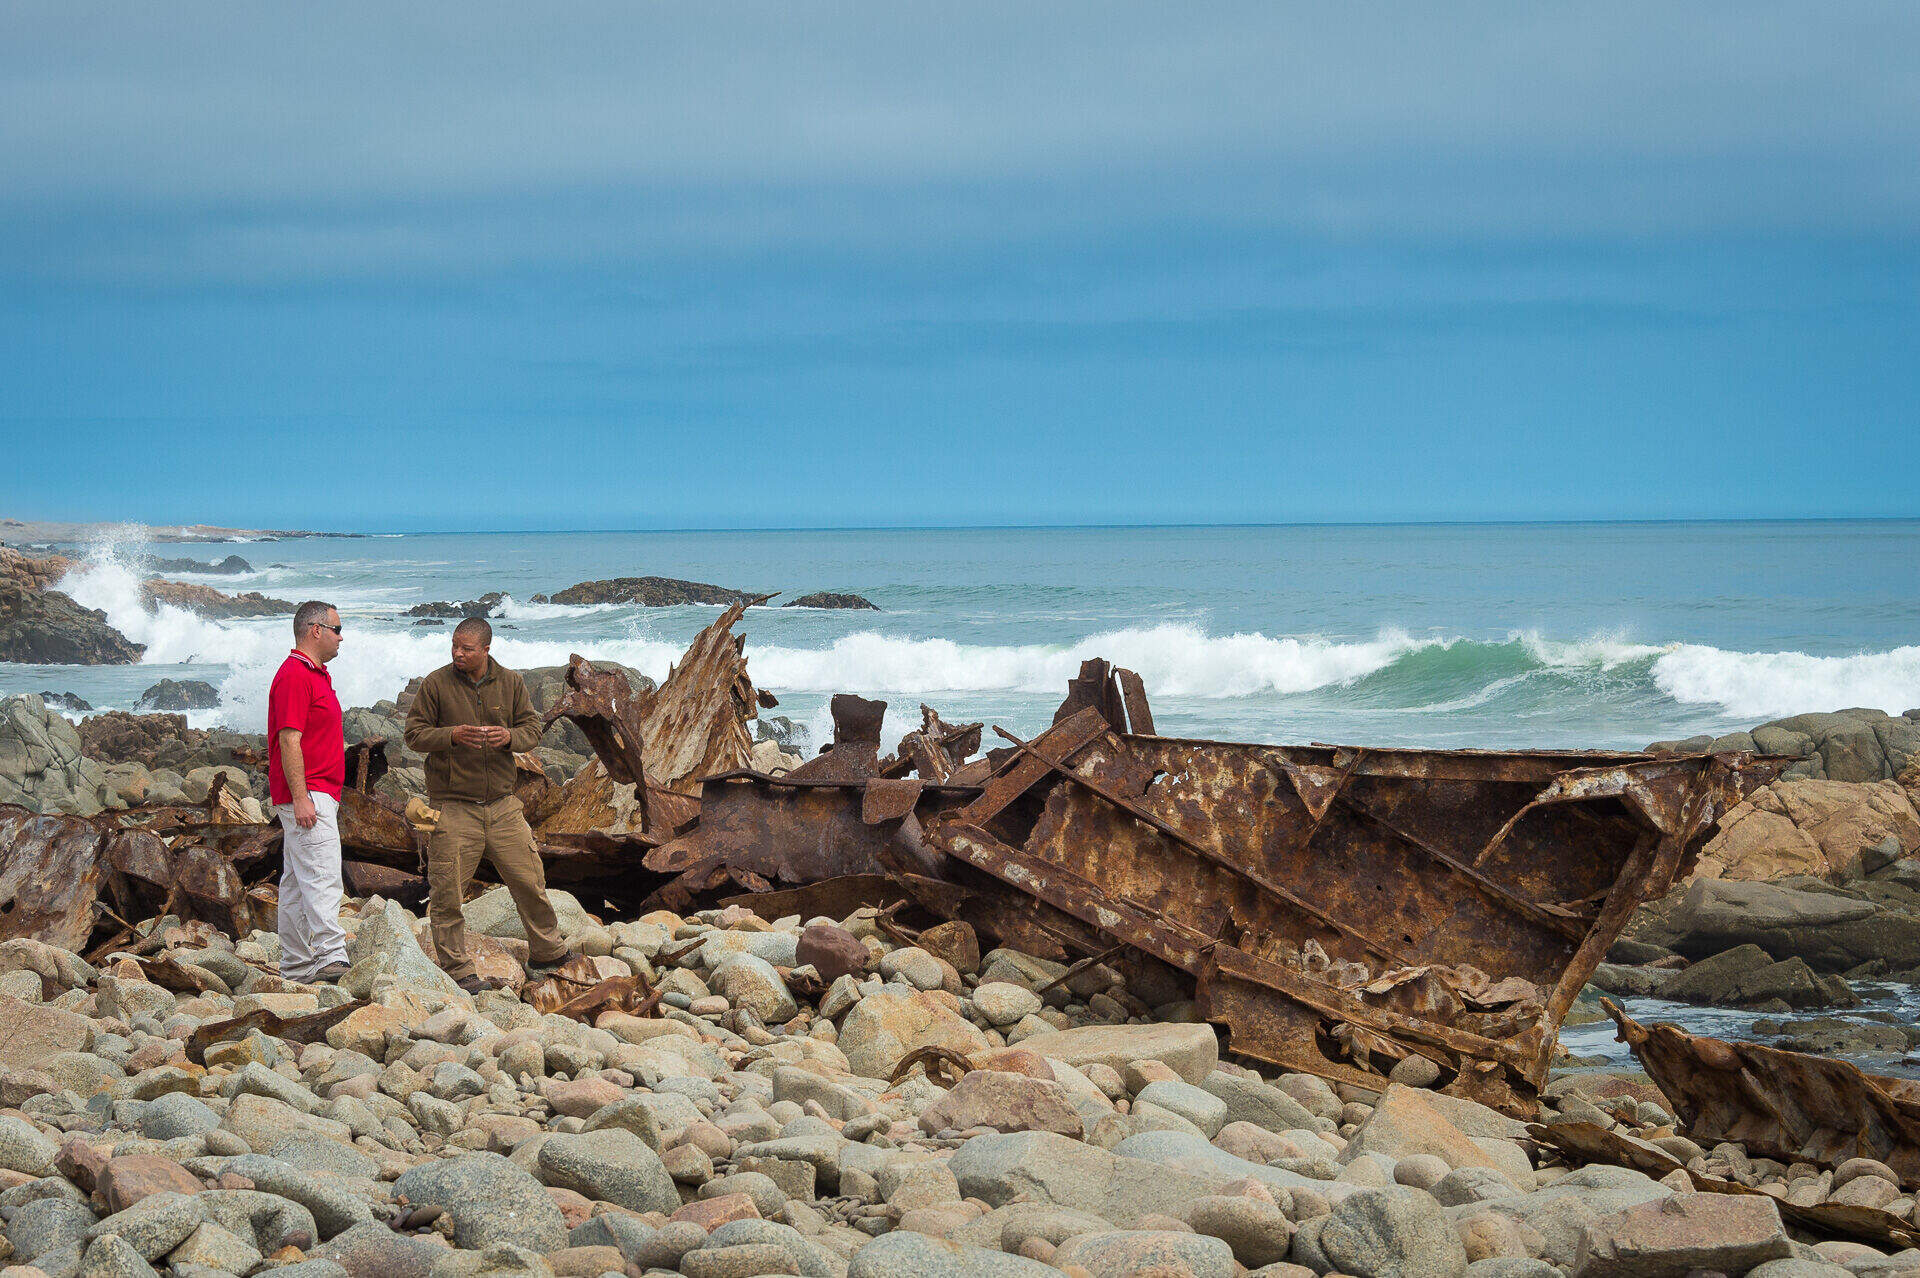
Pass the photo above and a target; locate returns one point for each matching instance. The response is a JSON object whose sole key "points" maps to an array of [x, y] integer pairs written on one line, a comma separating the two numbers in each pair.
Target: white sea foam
{"points": [[1762, 685], [512, 609], [1175, 660], [1602, 651]]}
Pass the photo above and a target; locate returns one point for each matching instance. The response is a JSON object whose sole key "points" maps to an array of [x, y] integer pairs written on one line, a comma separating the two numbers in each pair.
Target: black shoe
{"points": [[331, 974], [550, 966], [477, 983]]}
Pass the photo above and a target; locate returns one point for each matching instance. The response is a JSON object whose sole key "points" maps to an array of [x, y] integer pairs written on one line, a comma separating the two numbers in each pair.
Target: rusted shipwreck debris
{"points": [[1791, 1106], [1336, 908]]}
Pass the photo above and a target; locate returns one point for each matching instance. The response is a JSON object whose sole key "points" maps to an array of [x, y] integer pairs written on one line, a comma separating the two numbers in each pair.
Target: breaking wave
{"points": [[1391, 672], [1773, 684]]}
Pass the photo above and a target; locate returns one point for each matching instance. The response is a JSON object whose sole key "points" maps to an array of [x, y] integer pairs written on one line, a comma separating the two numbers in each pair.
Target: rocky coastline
{"points": [[770, 1114]]}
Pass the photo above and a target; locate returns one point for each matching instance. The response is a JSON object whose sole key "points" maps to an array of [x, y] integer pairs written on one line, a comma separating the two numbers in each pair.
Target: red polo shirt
{"points": [[302, 698]]}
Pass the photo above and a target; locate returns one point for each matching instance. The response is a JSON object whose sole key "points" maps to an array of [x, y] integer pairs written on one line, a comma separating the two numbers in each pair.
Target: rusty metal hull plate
{"points": [[765, 830], [1785, 1105], [1339, 911]]}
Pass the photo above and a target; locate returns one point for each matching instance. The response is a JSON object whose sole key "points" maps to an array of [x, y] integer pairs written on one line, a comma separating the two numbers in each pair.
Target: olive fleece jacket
{"points": [[447, 699]]}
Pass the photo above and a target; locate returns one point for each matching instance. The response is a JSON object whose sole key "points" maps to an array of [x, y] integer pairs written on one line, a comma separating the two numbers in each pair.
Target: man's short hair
{"points": [[311, 613], [475, 628]]}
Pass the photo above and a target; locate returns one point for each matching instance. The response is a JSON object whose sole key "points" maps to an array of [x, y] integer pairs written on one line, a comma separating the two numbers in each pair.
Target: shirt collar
{"points": [[309, 662]]}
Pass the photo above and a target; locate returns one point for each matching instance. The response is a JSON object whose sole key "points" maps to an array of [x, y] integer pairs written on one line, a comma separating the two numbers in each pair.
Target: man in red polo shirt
{"points": [[306, 767]]}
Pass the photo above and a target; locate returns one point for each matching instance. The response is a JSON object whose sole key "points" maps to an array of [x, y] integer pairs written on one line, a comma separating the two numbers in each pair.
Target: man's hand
{"points": [[498, 737], [304, 813], [472, 734]]}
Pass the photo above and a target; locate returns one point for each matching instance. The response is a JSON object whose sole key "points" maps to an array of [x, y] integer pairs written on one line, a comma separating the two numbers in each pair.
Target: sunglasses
{"points": [[324, 626]]}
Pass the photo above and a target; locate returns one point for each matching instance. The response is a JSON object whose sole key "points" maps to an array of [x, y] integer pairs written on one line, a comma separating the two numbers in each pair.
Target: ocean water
{"points": [[1497, 635]]}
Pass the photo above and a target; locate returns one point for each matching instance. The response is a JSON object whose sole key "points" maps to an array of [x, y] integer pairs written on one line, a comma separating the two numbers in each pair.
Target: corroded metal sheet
{"points": [[652, 752], [765, 831], [1786, 1105], [50, 877], [1342, 908]]}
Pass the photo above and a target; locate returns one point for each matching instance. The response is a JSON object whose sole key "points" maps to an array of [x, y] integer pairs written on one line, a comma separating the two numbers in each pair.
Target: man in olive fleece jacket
{"points": [[470, 718]]}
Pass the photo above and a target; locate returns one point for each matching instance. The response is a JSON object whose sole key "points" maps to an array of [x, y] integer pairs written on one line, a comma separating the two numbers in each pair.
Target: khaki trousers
{"points": [[498, 831]]}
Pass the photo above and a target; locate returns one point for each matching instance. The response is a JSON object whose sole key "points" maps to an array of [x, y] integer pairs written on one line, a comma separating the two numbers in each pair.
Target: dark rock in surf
{"points": [[827, 599], [654, 592], [228, 566], [487, 605], [179, 694], [46, 627]]}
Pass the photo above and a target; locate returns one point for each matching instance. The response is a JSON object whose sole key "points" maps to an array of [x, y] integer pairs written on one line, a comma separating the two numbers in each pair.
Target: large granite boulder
{"points": [[1832, 928], [1859, 744], [1831, 829], [41, 765]]}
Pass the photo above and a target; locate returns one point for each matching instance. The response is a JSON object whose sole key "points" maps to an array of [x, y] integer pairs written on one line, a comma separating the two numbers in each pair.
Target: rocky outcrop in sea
{"points": [[46, 627], [208, 602], [650, 592], [828, 599]]}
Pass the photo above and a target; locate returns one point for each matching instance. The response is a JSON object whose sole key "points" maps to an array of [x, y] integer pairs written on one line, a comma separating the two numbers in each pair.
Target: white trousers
{"points": [[310, 932]]}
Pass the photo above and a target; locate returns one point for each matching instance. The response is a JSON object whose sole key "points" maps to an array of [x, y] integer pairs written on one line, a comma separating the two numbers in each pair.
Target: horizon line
{"points": [[1107, 526]]}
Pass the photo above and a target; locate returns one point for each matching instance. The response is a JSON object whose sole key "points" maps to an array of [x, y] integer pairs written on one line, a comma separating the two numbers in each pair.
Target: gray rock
{"points": [[329, 1157], [1190, 1050], [749, 982], [311, 1269], [1680, 1233], [386, 947], [112, 1256], [1200, 1107], [612, 1165], [1120, 1252], [153, 1226], [1513, 1267], [41, 764], [48, 1224], [493, 913], [335, 1207], [1255, 1229], [1394, 1232], [1190, 1153], [215, 1248], [376, 1251], [255, 1079], [742, 1260], [1799, 1267], [272, 1222], [614, 1229], [811, 1259], [905, 1254], [1045, 1167], [24, 1149], [1832, 928], [490, 1200], [1471, 1185], [1250, 1101], [174, 1115]]}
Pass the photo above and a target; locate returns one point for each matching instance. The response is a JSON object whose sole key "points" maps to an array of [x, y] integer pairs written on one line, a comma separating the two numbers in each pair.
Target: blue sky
{"points": [[629, 266]]}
